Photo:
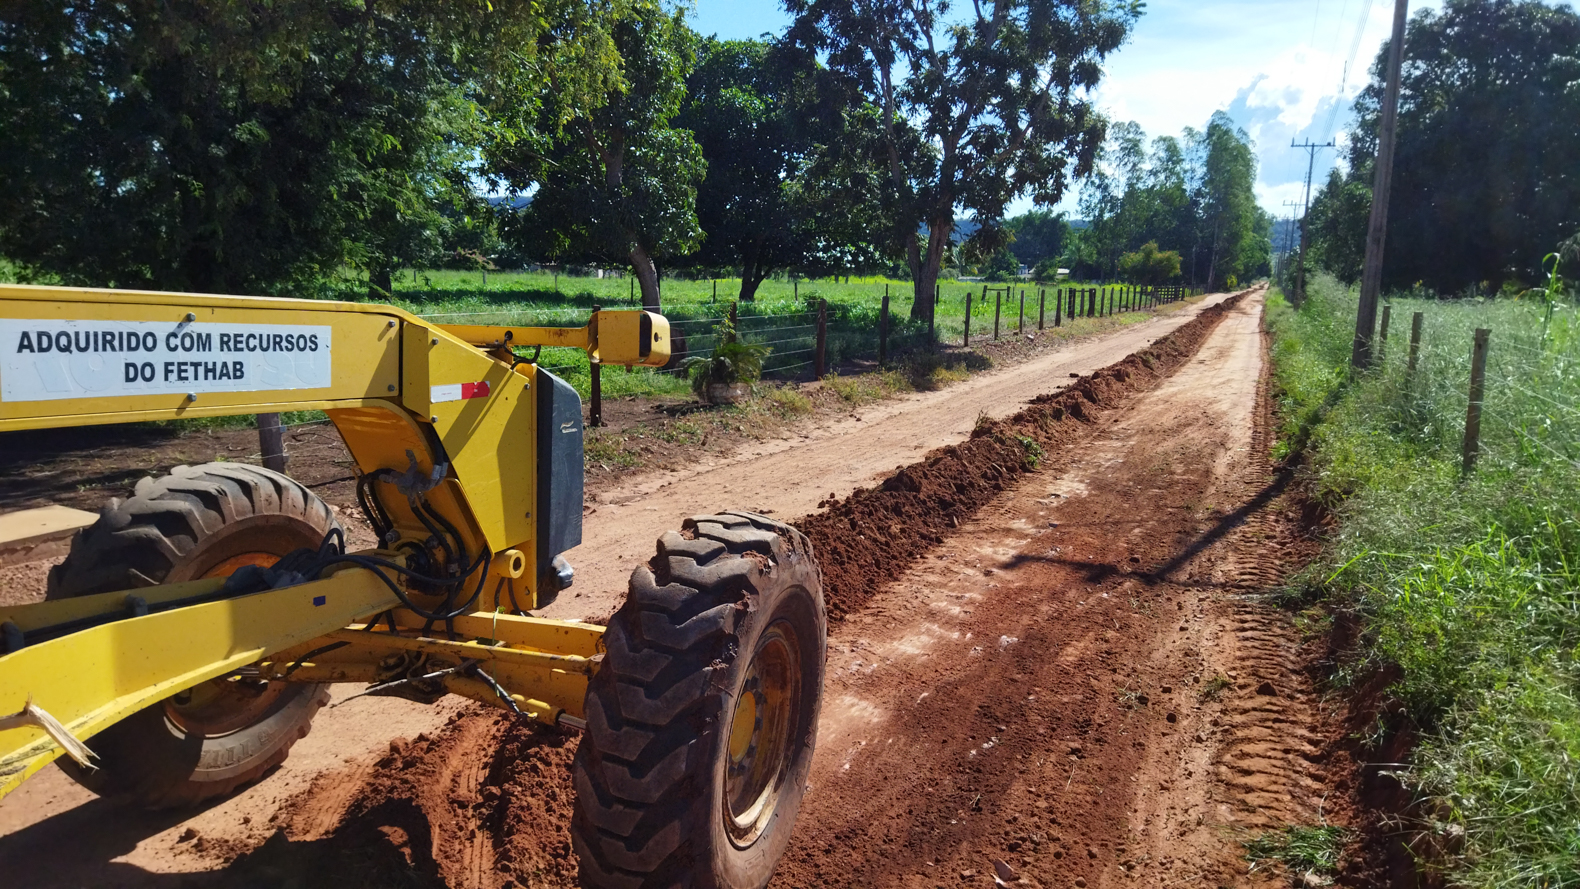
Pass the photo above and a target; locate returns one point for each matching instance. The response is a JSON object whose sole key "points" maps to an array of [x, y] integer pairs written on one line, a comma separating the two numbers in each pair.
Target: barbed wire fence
{"points": [[1507, 393]]}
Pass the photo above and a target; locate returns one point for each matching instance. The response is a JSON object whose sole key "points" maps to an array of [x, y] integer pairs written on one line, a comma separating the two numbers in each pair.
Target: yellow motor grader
{"points": [[190, 635]]}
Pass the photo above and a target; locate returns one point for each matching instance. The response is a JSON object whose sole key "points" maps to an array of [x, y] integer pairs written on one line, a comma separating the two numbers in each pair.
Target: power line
{"points": [[1311, 149], [1289, 233]]}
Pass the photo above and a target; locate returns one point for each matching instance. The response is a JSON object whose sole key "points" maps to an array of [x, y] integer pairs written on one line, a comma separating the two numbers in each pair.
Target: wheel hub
{"points": [[762, 728], [229, 703]]}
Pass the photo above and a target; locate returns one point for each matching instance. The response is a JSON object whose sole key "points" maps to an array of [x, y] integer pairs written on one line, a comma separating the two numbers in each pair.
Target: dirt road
{"points": [[1081, 684], [789, 477], [1074, 683]]}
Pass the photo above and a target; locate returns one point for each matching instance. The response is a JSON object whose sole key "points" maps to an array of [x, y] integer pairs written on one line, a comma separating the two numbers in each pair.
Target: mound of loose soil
{"points": [[874, 534], [485, 802]]}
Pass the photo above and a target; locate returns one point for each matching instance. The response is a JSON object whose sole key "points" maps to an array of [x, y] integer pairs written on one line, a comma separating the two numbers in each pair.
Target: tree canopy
{"points": [[1037, 235], [976, 111], [793, 179], [612, 179], [1194, 196], [241, 147], [1149, 265], [1487, 170]]}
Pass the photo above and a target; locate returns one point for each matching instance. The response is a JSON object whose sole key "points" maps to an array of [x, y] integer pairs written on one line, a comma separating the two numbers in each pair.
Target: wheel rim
{"points": [[762, 741], [229, 703]]}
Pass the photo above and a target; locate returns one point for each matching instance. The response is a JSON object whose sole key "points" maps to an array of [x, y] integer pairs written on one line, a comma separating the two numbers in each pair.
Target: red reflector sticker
{"points": [[458, 392]]}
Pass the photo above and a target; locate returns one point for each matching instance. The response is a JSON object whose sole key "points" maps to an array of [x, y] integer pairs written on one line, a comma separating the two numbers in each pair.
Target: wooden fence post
{"points": [[1415, 339], [883, 329], [1382, 338], [1042, 308], [595, 377], [969, 294], [1478, 388], [271, 442], [1058, 307], [998, 307], [734, 318], [715, 290], [821, 354], [1022, 327]]}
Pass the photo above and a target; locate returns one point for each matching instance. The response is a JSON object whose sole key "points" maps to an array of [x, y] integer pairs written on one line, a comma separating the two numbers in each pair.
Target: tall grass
{"points": [[1471, 585]]}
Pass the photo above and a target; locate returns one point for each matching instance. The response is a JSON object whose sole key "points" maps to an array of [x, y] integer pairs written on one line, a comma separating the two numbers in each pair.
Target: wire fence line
{"points": [[1528, 412]]}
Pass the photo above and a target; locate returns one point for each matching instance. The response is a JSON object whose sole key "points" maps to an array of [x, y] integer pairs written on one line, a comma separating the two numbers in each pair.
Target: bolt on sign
{"points": [[52, 360]]}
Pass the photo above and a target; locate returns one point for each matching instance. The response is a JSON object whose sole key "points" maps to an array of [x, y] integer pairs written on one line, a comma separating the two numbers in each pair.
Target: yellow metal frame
{"points": [[391, 391]]}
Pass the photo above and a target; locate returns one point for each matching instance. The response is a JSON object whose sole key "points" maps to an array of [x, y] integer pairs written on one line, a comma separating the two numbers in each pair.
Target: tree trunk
{"points": [[646, 276], [750, 283], [752, 272], [925, 267], [1212, 264], [380, 285], [921, 306]]}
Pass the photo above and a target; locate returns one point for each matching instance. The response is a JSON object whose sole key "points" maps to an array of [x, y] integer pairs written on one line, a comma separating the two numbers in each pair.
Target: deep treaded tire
{"points": [[202, 521], [702, 718]]}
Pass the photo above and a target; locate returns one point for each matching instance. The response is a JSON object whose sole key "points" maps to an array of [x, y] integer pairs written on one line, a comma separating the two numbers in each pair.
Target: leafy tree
{"points": [[1149, 265], [977, 111], [793, 175], [1002, 266], [1339, 212], [1193, 195], [1047, 270], [1037, 235], [1235, 232], [1485, 170], [612, 178], [241, 147]]}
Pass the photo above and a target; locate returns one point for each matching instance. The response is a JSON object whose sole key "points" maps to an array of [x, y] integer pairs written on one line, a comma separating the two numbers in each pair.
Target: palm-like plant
{"points": [[731, 361]]}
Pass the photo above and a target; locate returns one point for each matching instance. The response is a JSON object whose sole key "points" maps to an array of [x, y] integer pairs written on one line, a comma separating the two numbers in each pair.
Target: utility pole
{"points": [[1289, 236], [1300, 271], [1377, 229]]}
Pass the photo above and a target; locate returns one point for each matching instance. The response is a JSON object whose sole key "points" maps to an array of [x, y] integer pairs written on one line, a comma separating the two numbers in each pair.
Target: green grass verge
{"points": [[1470, 585]]}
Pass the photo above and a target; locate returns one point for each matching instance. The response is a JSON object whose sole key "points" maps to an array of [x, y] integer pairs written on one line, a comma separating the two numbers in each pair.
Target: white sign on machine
{"points": [[52, 360]]}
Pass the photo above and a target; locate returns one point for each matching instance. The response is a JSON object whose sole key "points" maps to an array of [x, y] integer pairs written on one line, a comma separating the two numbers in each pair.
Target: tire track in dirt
{"points": [[1259, 763], [1143, 710]]}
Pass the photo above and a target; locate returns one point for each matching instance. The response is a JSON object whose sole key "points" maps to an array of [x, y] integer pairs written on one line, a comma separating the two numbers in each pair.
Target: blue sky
{"points": [[1275, 65]]}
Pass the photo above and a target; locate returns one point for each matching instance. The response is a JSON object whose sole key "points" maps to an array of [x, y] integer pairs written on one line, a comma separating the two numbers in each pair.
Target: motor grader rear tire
{"points": [[203, 521], [702, 717]]}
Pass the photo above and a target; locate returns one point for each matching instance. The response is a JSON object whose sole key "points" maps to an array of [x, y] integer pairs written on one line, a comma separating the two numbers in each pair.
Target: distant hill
{"points": [[509, 202]]}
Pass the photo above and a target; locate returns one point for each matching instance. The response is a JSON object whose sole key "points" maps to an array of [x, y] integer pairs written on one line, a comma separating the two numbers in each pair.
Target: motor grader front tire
{"points": [[702, 718], [197, 522]]}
